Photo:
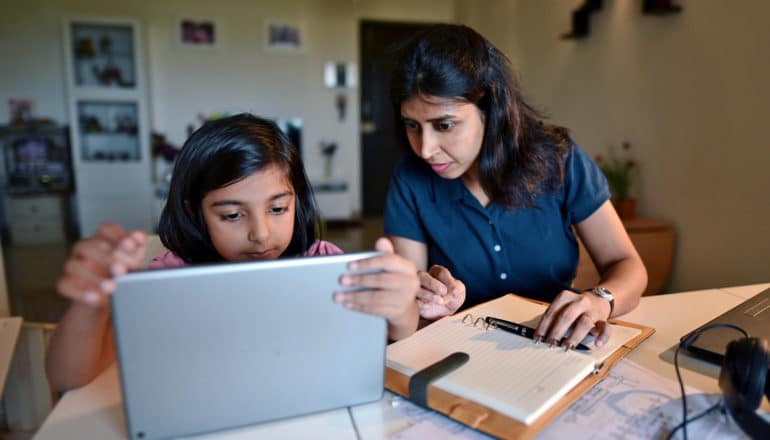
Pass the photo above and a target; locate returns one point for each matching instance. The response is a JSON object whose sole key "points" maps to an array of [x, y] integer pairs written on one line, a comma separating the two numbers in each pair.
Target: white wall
{"points": [[239, 75], [689, 91]]}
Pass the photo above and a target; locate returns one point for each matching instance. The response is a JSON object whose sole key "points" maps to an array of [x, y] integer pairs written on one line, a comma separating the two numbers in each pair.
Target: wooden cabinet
{"points": [[36, 219], [653, 239]]}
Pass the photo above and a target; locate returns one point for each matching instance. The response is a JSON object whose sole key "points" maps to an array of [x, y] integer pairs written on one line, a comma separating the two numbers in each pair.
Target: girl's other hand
{"points": [[90, 270], [440, 293], [389, 293]]}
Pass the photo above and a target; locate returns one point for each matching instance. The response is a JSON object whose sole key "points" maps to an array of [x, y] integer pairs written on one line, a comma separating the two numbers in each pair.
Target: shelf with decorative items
{"points": [[109, 124]]}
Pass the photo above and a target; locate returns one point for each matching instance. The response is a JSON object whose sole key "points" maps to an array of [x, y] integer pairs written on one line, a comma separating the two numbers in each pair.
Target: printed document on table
{"points": [[630, 403]]}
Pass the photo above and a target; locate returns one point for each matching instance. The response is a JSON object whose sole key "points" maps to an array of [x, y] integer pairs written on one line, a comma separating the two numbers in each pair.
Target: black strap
{"points": [[418, 383]]}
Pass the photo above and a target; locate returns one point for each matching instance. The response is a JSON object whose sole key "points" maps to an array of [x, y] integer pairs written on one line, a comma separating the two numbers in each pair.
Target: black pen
{"points": [[523, 330]]}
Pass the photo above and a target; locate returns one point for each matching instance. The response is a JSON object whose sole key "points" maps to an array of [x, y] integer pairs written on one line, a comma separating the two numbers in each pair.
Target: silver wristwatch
{"points": [[606, 295]]}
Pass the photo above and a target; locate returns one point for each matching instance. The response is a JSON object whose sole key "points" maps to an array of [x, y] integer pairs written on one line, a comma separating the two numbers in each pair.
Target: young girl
{"points": [[238, 193]]}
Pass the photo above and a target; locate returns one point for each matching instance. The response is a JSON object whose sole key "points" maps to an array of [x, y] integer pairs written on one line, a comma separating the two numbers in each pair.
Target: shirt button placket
{"points": [[498, 250]]}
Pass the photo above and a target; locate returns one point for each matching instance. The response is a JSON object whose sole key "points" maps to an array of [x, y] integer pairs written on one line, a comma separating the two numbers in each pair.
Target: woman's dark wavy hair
{"points": [[218, 154], [520, 156]]}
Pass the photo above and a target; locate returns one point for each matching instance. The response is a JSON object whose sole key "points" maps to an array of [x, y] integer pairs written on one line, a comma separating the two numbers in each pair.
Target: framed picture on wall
{"points": [[284, 36], [198, 32]]}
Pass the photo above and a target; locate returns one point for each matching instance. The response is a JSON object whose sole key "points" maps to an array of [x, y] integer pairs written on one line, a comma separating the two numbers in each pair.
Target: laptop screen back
{"points": [[752, 315], [218, 346]]}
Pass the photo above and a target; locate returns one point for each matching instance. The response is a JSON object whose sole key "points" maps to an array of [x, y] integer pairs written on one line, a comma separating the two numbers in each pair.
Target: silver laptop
{"points": [[752, 315], [212, 347]]}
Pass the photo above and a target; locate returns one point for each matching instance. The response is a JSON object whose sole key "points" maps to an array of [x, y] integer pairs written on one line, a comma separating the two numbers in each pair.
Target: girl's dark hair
{"points": [[520, 156], [218, 154]]}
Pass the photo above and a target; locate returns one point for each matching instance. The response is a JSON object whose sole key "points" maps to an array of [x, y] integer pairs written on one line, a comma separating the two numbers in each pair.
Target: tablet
{"points": [[211, 347]]}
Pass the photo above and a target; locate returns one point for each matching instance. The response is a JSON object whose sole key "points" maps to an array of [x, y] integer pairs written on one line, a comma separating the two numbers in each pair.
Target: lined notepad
{"points": [[506, 372]]}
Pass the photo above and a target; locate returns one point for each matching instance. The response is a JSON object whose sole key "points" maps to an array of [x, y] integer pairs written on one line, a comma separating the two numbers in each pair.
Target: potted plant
{"points": [[620, 172]]}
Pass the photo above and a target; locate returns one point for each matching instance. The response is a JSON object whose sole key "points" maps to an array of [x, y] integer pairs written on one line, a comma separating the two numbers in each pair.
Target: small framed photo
{"points": [[198, 32], [284, 36]]}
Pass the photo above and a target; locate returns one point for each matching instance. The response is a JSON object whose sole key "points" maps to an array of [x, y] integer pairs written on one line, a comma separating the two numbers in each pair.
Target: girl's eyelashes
{"points": [[278, 210], [231, 217], [411, 125]]}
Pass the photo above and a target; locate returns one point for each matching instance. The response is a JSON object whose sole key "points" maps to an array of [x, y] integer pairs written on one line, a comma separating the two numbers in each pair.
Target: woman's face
{"points": [[252, 219], [446, 133]]}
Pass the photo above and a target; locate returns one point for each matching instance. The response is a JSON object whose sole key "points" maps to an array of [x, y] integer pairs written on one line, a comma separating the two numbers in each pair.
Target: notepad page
{"points": [[506, 372], [516, 309]]}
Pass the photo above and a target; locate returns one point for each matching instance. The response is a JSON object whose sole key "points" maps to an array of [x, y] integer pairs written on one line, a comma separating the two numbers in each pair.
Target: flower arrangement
{"points": [[619, 171]]}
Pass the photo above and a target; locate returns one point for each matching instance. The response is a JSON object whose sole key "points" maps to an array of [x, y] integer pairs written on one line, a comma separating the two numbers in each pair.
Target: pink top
{"points": [[168, 259]]}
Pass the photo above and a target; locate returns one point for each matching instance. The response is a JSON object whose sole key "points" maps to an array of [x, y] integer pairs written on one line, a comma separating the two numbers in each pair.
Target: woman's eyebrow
{"points": [[436, 119], [441, 118]]}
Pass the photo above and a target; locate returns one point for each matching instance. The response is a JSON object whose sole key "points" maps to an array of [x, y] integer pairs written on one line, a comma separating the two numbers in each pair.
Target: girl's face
{"points": [[446, 133], [252, 219]]}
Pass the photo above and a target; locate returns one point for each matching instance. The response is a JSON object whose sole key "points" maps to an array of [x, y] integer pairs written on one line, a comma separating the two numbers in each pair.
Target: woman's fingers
{"points": [[580, 328], [430, 284], [603, 331], [577, 314], [443, 275], [426, 295], [551, 315]]}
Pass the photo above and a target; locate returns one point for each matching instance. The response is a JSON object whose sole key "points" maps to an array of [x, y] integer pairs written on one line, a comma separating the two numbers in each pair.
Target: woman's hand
{"points": [[583, 313], [90, 270], [440, 293], [389, 293]]}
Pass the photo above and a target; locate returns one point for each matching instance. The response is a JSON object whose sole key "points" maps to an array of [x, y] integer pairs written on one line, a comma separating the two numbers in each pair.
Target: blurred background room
{"points": [[96, 98]]}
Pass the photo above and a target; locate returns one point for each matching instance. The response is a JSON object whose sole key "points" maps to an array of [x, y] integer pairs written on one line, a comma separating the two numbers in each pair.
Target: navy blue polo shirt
{"points": [[532, 252]]}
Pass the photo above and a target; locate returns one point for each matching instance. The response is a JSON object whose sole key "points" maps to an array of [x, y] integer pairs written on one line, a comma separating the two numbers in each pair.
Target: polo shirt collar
{"points": [[443, 190]]}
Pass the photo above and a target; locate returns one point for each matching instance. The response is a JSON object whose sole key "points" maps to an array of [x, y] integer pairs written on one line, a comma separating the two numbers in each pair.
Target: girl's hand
{"points": [[389, 293], [440, 294], [583, 313], [90, 270]]}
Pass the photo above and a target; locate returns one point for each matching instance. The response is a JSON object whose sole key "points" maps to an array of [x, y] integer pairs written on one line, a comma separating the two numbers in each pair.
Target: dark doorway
{"points": [[379, 145]]}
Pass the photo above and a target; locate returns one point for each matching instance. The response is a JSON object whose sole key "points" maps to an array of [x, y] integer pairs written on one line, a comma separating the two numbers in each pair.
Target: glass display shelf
{"points": [[108, 131], [103, 55]]}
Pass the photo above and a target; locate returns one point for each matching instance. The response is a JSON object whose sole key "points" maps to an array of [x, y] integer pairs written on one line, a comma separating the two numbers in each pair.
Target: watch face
{"points": [[604, 293]]}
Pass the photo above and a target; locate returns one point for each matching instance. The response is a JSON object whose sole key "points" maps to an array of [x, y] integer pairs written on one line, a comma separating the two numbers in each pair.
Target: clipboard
{"points": [[488, 420]]}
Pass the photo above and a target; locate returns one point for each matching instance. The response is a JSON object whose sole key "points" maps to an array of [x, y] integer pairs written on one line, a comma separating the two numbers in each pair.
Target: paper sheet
{"points": [[630, 403], [635, 403]]}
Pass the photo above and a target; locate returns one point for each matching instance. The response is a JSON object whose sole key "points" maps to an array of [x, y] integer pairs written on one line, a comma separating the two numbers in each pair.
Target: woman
{"points": [[493, 194]]}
